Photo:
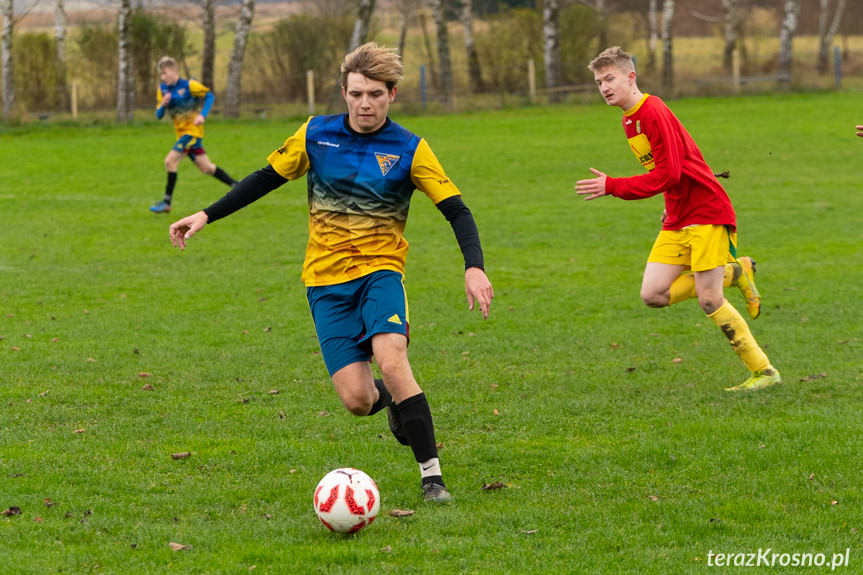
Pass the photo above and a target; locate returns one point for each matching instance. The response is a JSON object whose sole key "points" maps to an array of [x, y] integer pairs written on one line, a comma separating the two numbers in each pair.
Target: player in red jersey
{"points": [[695, 252]]}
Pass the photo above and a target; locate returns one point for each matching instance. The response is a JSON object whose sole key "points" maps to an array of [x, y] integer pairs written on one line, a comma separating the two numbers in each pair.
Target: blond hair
{"points": [[374, 62], [614, 56], [166, 62]]}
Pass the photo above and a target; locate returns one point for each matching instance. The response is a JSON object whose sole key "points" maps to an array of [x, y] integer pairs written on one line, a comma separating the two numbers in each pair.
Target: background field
{"points": [[616, 459]]}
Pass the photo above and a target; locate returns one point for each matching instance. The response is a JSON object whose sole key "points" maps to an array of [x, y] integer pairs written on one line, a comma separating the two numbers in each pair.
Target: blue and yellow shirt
{"points": [[188, 99], [359, 188]]}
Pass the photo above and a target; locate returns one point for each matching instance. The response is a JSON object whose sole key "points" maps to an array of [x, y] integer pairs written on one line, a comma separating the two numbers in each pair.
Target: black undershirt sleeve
{"points": [[253, 187], [466, 232]]}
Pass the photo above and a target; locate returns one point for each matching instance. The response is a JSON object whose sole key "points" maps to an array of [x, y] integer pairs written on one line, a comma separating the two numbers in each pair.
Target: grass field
{"points": [[616, 458]]}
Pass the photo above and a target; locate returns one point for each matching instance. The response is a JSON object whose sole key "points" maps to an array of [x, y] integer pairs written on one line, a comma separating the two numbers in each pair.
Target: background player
{"points": [[698, 224], [361, 170], [187, 102]]}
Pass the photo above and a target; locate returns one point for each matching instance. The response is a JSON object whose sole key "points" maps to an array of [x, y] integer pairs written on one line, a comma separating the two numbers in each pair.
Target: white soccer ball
{"points": [[346, 500]]}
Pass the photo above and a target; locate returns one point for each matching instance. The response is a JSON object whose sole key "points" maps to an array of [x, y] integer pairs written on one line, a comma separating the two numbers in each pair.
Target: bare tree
{"points": [[786, 38], [473, 68], [60, 24], [125, 72], [551, 48], [444, 61], [732, 28], [653, 37], [433, 75], [235, 67], [667, 45], [208, 58], [362, 24], [8, 69], [826, 33], [406, 10]]}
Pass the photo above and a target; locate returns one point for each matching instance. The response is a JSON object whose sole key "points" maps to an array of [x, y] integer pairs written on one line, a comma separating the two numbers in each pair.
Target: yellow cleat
{"points": [[745, 282], [759, 380]]}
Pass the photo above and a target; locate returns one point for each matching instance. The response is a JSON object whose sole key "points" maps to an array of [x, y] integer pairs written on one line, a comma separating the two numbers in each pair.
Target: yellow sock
{"points": [[735, 329], [683, 288]]}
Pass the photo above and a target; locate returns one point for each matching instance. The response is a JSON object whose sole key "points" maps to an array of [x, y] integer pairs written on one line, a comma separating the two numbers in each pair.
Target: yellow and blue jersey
{"points": [[359, 192], [188, 99]]}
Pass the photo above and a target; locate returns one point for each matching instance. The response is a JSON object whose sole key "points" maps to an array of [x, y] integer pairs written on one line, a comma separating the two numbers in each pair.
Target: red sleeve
{"points": [[668, 149]]}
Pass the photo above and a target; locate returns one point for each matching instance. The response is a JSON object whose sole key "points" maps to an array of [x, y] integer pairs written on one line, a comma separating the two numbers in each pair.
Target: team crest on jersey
{"points": [[386, 162]]}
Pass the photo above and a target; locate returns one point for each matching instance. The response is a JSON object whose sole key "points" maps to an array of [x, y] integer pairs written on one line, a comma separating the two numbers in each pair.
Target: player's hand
{"points": [[200, 119], [182, 230], [478, 290], [664, 216], [592, 188], [860, 130], [166, 98]]}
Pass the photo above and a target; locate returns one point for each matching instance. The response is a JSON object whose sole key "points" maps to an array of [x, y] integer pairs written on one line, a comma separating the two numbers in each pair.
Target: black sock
{"points": [[169, 187], [222, 176], [384, 397], [417, 425]]}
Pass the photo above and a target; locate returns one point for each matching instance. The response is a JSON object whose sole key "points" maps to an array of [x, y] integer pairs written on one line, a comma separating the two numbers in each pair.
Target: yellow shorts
{"points": [[700, 248]]}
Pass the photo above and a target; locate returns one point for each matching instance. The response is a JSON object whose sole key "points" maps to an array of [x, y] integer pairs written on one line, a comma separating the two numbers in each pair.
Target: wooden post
{"points": [[531, 81], [74, 100], [310, 90], [837, 67]]}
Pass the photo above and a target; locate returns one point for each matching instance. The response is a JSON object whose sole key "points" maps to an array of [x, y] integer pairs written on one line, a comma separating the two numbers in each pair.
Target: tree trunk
{"points": [[442, 51], [731, 28], [473, 68], [551, 48], [60, 23], [653, 38], [8, 70], [405, 10], [667, 52], [208, 58], [826, 33], [602, 23], [786, 38], [433, 75], [235, 67], [362, 24], [125, 72]]}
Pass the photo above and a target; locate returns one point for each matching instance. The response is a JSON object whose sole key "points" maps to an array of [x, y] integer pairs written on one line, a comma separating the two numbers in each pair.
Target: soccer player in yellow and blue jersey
{"points": [[694, 254], [187, 102], [361, 170]]}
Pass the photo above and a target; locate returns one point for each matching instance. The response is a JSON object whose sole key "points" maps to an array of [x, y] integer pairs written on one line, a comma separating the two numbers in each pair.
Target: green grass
{"points": [[617, 459]]}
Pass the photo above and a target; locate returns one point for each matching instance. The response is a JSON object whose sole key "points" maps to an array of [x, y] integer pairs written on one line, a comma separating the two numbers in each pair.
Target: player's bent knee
{"points": [[709, 305], [357, 405], [653, 299]]}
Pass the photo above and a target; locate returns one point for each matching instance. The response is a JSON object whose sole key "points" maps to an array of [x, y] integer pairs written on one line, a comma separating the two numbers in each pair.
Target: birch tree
{"points": [[551, 48], [826, 32], [444, 62], [362, 24], [473, 68], [667, 48], [6, 57], [208, 57], [732, 26], [786, 38], [125, 72], [235, 67], [653, 35], [60, 25]]}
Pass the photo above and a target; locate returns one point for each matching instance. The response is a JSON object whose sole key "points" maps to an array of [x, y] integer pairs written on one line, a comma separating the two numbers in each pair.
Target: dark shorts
{"points": [[190, 145], [347, 315]]}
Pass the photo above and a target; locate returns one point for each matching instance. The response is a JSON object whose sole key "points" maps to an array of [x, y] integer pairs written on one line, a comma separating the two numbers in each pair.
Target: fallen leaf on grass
{"points": [[813, 377], [677, 360], [273, 392], [38, 519], [834, 503], [401, 512], [55, 339], [496, 412], [653, 497], [181, 455], [14, 510], [531, 532], [82, 430], [387, 549], [177, 546], [811, 476], [148, 387], [493, 486], [144, 374], [44, 393], [49, 503]]}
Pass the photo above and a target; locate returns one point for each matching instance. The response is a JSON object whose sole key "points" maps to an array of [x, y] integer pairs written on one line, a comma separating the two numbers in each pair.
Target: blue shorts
{"points": [[347, 315], [189, 144]]}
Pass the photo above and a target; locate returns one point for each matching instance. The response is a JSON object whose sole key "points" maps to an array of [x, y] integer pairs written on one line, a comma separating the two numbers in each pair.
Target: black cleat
{"points": [[436, 493], [396, 424]]}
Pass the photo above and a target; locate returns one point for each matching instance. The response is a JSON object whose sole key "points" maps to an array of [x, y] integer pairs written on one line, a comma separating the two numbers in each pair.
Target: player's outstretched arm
{"points": [[592, 188], [182, 230], [478, 290]]}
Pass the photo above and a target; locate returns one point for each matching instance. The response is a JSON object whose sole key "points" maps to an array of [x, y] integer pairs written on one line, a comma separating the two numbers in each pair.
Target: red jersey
{"points": [[675, 168]]}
